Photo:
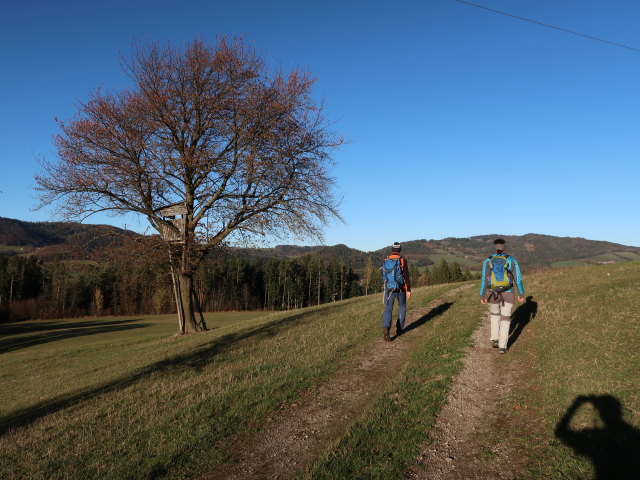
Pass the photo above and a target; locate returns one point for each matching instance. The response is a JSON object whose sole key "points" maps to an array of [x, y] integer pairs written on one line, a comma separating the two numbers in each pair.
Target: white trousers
{"points": [[500, 322]]}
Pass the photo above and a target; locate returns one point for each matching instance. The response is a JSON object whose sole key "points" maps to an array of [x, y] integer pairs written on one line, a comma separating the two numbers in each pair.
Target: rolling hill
{"points": [[49, 240]]}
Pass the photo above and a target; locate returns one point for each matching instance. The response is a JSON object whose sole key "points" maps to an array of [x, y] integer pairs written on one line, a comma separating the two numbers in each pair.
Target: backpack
{"points": [[392, 274], [500, 277]]}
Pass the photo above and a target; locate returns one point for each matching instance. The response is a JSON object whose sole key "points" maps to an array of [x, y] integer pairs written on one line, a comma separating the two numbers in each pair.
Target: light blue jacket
{"points": [[512, 266]]}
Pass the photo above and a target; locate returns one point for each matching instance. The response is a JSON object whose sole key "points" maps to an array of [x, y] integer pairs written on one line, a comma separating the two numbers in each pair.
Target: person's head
{"points": [[498, 244], [395, 248], [609, 407]]}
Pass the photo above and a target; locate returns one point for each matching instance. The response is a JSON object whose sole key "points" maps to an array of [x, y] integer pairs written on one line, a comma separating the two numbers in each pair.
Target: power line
{"points": [[549, 26]]}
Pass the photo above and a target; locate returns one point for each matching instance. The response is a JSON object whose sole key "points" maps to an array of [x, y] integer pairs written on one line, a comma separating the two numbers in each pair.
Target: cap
{"points": [[395, 247]]}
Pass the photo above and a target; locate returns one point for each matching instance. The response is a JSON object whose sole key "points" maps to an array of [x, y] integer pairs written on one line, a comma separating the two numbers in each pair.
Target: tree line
{"points": [[31, 289]]}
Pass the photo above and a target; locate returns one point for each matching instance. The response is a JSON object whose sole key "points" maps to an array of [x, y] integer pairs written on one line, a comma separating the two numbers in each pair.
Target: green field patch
{"points": [[568, 264], [628, 256], [605, 257], [612, 257]]}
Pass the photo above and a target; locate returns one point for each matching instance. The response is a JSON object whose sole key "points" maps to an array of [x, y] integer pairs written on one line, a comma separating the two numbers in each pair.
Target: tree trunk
{"points": [[186, 289], [198, 305], [178, 300], [319, 270]]}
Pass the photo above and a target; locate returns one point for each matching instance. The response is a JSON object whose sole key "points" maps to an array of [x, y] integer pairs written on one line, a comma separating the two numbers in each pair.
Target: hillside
{"points": [[544, 250], [60, 240], [531, 250], [56, 240]]}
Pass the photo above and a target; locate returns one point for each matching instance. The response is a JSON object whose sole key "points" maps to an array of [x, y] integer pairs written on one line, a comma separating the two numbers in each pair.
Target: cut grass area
{"points": [[628, 255], [46, 359], [568, 264], [611, 257], [117, 400], [582, 347], [384, 443]]}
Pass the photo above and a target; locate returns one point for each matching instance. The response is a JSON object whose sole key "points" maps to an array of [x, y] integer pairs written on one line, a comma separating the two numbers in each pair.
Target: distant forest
{"points": [[31, 289]]}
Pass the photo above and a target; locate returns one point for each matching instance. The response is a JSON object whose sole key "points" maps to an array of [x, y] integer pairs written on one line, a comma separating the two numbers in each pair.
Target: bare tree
{"points": [[206, 144]]}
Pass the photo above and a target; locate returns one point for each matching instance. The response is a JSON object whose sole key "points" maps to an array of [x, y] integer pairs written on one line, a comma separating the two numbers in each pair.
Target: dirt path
{"points": [[464, 444], [299, 433]]}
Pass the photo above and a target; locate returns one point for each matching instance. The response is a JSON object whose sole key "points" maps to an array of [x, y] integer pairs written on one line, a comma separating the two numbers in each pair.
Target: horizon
{"points": [[275, 245]]}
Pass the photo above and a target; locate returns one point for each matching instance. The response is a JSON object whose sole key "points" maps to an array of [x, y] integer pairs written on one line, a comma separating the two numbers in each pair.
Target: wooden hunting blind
{"points": [[170, 213]]}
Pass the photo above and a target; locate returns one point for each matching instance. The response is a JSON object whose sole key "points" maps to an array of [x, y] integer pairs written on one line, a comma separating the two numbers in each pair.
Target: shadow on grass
{"points": [[613, 448], [521, 318], [434, 312], [53, 331], [194, 360]]}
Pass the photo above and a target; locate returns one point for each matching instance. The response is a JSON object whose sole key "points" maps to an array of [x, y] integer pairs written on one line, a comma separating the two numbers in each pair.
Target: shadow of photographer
{"points": [[613, 448], [520, 318]]}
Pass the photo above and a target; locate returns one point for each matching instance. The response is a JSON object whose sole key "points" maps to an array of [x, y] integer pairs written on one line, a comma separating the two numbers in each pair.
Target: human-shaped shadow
{"points": [[614, 448], [520, 318], [434, 312]]}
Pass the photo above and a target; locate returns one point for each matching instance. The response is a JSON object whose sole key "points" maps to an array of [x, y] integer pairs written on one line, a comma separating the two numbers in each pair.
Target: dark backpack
{"points": [[392, 274]]}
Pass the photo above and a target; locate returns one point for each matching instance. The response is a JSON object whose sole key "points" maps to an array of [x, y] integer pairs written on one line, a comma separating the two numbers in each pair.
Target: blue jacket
{"points": [[512, 265]]}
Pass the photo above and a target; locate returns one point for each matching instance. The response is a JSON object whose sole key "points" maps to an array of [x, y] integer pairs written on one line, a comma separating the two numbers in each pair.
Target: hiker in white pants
{"points": [[500, 273]]}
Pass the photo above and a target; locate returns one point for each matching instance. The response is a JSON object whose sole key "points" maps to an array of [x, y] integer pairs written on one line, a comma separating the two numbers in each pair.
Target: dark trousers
{"points": [[389, 297]]}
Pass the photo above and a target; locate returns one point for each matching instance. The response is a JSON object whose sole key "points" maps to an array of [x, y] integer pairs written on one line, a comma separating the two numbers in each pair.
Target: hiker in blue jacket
{"points": [[500, 273], [397, 285]]}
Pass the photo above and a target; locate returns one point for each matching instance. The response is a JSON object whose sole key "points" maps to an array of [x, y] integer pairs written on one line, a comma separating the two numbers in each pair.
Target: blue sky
{"points": [[461, 121]]}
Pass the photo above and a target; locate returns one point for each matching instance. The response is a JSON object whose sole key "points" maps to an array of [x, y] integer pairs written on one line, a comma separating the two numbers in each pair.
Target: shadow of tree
{"points": [[30, 326], [614, 448], [54, 331], [434, 312], [520, 319], [195, 359]]}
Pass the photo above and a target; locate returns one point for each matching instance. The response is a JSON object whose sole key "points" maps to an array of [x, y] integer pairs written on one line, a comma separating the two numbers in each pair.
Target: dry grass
{"points": [[582, 344], [130, 404]]}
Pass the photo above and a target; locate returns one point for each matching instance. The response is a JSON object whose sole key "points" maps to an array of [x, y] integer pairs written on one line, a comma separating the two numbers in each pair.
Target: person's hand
{"points": [[483, 300], [521, 299], [408, 295]]}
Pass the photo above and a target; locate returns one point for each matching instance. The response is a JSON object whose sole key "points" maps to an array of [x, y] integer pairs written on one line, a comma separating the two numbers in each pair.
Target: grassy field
{"points": [[568, 264], [582, 417], [46, 360], [113, 398], [616, 257], [613, 257]]}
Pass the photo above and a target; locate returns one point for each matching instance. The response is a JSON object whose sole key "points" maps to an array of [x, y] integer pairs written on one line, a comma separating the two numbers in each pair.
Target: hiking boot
{"points": [[494, 343], [385, 334], [502, 350]]}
